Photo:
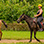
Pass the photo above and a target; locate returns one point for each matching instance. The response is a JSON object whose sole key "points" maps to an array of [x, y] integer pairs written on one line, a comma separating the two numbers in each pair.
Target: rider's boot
{"points": [[40, 29]]}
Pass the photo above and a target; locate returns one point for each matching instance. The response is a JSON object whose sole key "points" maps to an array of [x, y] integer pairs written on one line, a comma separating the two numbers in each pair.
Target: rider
{"points": [[39, 16]]}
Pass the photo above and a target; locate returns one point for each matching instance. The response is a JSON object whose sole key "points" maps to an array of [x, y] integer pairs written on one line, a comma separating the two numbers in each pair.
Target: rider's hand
{"points": [[35, 15]]}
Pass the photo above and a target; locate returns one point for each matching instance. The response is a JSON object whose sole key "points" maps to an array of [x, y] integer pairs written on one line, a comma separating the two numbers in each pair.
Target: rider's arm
{"points": [[40, 12]]}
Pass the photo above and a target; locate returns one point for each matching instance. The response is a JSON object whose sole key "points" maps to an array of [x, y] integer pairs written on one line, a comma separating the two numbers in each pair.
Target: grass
{"points": [[22, 43], [19, 35]]}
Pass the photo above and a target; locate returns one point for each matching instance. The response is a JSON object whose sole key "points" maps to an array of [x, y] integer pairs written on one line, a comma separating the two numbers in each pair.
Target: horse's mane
{"points": [[29, 17]]}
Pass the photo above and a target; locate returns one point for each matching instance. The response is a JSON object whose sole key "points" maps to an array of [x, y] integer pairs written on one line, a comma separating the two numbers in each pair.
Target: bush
{"points": [[16, 27], [10, 10]]}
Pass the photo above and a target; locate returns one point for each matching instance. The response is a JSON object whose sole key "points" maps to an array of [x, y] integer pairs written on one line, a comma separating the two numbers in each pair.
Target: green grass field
{"points": [[19, 35]]}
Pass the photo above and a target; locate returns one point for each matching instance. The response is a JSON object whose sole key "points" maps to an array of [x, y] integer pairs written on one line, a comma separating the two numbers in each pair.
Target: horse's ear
{"points": [[23, 14]]}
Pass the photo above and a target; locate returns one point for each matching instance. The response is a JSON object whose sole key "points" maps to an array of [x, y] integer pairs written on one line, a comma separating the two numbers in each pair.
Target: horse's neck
{"points": [[28, 20]]}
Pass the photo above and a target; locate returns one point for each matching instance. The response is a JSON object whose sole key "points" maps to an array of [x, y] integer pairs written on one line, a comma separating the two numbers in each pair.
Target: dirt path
{"points": [[14, 41]]}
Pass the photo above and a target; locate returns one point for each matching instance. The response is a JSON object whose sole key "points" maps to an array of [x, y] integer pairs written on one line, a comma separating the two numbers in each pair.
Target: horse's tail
{"points": [[4, 23]]}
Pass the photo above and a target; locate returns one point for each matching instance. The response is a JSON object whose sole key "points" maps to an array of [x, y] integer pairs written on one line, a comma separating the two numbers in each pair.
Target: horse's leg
{"points": [[30, 36], [0, 30], [35, 36], [4, 23]]}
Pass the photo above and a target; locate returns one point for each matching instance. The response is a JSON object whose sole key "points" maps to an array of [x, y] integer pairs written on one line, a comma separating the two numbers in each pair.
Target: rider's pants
{"points": [[40, 19]]}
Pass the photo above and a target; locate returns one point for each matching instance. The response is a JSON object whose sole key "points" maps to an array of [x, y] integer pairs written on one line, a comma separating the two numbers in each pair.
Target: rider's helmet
{"points": [[40, 5]]}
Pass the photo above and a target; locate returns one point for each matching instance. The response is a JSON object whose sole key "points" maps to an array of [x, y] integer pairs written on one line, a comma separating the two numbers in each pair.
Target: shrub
{"points": [[10, 10]]}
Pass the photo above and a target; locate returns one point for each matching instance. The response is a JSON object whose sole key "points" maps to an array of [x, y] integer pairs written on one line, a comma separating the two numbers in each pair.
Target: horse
{"points": [[0, 27], [32, 25]]}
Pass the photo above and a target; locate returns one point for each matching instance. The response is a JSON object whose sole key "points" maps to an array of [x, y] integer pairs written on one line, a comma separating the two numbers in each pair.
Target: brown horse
{"points": [[0, 27], [32, 25]]}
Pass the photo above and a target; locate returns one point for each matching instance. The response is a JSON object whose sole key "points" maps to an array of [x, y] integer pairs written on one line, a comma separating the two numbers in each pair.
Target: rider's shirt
{"points": [[39, 15]]}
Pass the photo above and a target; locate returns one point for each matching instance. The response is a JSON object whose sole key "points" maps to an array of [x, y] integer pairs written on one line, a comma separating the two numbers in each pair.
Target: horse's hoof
{"points": [[29, 41]]}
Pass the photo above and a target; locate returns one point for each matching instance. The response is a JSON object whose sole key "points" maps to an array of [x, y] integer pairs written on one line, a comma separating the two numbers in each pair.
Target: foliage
{"points": [[16, 27], [10, 10]]}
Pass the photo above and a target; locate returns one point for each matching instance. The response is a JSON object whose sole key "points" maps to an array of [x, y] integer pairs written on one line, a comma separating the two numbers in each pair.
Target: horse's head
{"points": [[21, 18]]}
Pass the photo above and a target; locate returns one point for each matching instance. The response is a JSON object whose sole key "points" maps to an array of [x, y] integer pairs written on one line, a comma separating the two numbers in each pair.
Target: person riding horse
{"points": [[39, 16], [33, 26]]}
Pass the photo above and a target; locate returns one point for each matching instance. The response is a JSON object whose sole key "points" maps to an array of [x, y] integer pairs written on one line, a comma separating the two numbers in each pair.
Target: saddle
{"points": [[35, 21]]}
